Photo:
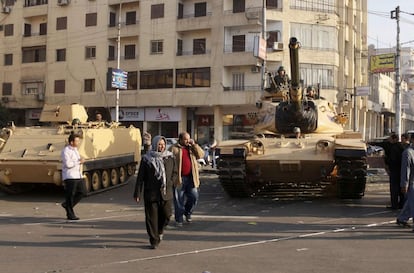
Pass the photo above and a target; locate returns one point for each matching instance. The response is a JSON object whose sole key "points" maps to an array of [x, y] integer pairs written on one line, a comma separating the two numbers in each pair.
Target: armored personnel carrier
{"points": [[299, 148], [32, 155]]}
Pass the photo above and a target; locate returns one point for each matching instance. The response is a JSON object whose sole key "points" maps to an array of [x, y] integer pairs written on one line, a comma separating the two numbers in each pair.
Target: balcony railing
{"points": [[242, 88], [31, 3], [191, 53], [231, 49], [193, 15]]}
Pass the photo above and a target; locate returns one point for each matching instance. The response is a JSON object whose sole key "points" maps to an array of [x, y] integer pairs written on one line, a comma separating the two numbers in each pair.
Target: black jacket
{"points": [[150, 186]]}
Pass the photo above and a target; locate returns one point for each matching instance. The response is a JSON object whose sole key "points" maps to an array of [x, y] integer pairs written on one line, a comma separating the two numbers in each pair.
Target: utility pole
{"points": [[263, 70], [395, 14], [118, 61]]}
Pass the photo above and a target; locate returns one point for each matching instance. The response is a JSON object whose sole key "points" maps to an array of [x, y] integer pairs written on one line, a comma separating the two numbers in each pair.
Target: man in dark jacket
{"points": [[156, 174]]}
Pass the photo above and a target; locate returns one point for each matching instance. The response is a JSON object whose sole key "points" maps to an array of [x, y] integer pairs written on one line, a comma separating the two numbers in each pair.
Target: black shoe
{"points": [[188, 218], [154, 246], [73, 217], [391, 207], [402, 223]]}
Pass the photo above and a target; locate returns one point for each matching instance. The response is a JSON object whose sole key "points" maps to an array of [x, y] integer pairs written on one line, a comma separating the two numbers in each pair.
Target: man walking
{"points": [[72, 176], [186, 153]]}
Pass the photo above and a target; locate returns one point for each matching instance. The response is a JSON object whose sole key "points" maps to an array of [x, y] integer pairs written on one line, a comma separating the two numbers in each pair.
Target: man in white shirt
{"points": [[72, 176]]}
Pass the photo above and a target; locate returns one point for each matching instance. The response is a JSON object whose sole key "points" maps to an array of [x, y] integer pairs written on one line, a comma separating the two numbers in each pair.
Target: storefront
{"points": [[130, 116], [163, 121]]}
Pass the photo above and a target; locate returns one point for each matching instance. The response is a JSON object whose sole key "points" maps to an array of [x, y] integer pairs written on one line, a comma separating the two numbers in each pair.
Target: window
{"points": [[193, 77], [239, 43], [179, 47], [238, 81], [59, 86], [199, 46], [112, 19], [157, 11], [328, 6], [129, 52], [312, 74], [90, 52], [316, 36], [61, 55], [111, 53], [180, 11], [239, 6], [8, 59], [157, 46], [154, 79], [43, 29], [89, 85], [27, 30], [131, 18], [33, 54], [61, 23], [8, 30], [7, 89], [200, 9], [132, 80], [271, 4], [30, 3], [91, 19], [274, 36]]}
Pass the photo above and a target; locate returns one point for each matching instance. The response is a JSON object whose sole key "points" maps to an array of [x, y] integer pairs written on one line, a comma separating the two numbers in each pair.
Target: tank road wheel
{"points": [[106, 179], [131, 169], [96, 181], [114, 177], [122, 174], [88, 182], [352, 174]]}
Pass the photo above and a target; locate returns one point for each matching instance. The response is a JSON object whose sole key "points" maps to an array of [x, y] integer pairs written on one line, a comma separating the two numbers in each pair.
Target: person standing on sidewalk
{"points": [[72, 176], [156, 174], [407, 184], [186, 186]]}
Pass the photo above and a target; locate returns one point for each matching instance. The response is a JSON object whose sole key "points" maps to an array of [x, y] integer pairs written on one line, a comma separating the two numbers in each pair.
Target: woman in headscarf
{"points": [[156, 174]]}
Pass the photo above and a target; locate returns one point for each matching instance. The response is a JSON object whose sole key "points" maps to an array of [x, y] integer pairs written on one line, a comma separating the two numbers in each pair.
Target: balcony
{"points": [[32, 11], [131, 30], [117, 2], [252, 16], [35, 39], [187, 59], [191, 23], [231, 57]]}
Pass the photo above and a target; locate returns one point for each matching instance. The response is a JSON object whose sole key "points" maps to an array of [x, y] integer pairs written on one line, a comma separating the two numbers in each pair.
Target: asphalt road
{"points": [[228, 235]]}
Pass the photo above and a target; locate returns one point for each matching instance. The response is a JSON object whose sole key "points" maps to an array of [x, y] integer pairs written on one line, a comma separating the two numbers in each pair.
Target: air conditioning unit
{"points": [[6, 9], [40, 97], [255, 69], [277, 46], [63, 2]]}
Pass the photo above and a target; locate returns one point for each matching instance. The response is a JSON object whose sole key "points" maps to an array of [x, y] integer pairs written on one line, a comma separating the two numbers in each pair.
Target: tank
{"points": [[299, 148], [32, 155]]}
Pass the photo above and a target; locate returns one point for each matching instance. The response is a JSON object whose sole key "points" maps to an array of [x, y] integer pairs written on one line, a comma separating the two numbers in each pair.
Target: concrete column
{"points": [[218, 123]]}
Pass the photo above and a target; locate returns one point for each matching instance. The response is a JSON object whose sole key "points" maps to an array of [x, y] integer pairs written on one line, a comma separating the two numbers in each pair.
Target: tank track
{"points": [[232, 176], [351, 177]]}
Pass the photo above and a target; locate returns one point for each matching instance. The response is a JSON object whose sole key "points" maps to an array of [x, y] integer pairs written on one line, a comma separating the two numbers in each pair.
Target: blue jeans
{"points": [[185, 198]]}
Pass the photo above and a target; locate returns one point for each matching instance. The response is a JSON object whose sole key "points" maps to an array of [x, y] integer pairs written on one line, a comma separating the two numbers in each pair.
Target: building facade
{"points": [[190, 63]]}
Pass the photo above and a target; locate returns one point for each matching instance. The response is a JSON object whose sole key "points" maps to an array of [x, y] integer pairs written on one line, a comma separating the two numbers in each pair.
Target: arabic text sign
{"points": [[119, 79], [382, 63]]}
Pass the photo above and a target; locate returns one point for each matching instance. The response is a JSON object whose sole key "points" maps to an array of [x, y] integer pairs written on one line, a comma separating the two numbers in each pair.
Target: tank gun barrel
{"points": [[295, 93], [294, 61]]}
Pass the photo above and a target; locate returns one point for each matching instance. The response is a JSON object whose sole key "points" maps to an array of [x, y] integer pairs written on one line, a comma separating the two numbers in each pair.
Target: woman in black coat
{"points": [[156, 174]]}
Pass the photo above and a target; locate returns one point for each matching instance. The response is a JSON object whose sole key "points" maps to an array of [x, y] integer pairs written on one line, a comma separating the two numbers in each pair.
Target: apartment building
{"points": [[190, 63]]}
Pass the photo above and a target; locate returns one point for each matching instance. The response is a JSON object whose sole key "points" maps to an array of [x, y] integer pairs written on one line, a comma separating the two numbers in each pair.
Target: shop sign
{"points": [[129, 114], [163, 114]]}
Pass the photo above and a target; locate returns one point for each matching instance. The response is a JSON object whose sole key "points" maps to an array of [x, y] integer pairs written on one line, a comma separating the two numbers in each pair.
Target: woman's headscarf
{"points": [[156, 159]]}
